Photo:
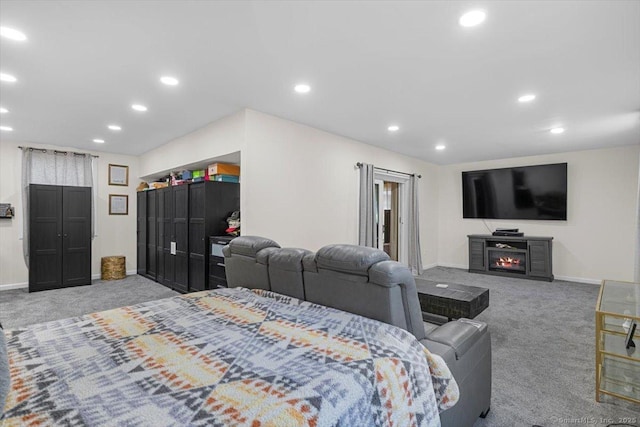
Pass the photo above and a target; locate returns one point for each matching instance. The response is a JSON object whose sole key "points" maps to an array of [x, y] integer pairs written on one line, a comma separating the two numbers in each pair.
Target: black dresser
{"points": [[217, 272]]}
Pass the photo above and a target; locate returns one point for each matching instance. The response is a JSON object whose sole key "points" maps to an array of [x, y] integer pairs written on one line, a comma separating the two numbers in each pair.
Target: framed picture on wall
{"points": [[118, 204], [118, 175]]}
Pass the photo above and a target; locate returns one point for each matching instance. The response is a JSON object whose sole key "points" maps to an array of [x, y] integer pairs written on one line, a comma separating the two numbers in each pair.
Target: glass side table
{"points": [[617, 368]]}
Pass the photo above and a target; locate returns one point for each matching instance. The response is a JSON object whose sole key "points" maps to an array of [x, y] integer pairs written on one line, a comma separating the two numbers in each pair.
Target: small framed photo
{"points": [[118, 175], [118, 204]]}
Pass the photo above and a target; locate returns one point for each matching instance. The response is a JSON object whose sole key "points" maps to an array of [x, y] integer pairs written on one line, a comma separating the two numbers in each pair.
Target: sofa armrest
{"points": [[460, 335]]}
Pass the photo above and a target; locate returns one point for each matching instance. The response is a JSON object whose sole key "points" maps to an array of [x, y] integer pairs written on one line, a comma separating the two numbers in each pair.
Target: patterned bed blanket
{"points": [[219, 358]]}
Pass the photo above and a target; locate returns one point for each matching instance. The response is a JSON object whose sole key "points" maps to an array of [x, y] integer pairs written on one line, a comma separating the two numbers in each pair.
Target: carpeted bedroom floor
{"points": [[19, 308], [542, 336]]}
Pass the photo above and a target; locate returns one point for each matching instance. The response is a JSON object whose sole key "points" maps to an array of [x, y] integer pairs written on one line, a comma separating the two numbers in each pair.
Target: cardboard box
{"points": [[224, 178], [223, 169]]}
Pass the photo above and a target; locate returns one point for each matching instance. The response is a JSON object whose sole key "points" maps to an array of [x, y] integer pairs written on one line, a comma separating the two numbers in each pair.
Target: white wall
{"points": [[596, 241], [116, 234], [216, 139], [300, 185]]}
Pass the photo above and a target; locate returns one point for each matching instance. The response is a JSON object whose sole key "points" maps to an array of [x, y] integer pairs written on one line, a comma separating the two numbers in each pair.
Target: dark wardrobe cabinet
{"points": [[59, 236], [142, 233], [177, 222]]}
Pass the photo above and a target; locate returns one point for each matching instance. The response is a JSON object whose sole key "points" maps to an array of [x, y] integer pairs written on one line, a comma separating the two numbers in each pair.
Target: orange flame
{"points": [[507, 262]]}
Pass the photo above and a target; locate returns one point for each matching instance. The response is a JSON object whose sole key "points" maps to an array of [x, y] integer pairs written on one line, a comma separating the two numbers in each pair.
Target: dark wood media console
{"points": [[526, 257]]}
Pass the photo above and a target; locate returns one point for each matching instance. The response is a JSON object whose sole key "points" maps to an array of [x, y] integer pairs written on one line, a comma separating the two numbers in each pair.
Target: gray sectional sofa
{"points": [[364, 281]]}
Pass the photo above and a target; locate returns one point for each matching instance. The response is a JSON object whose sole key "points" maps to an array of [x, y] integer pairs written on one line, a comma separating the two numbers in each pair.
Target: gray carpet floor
{"points": [[543, 345], [20, 308], [542, 336]]}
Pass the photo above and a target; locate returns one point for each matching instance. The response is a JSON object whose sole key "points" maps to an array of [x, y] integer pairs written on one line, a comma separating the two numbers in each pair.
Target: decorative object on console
{"points": [[507, 232]]}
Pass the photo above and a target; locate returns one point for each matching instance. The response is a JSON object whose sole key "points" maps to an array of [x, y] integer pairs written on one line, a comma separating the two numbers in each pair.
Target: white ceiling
{"points": [[370, 64]]}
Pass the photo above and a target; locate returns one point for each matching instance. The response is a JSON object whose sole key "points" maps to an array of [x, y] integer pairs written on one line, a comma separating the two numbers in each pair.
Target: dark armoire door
{"points": [[142, 233], [152, 228], [45, 237], [210, 203], [160, 236], [168, 261], [76, 236], [181, 237], [197, 244], [59, 236]]}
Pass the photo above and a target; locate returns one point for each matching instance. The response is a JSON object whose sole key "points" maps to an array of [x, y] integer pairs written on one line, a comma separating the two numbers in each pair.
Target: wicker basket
{"points": [[113, 268]]}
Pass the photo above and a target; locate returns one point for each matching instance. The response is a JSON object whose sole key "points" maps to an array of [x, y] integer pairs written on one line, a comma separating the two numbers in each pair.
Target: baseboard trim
{"points": [[579, 280], [564, 278], [460, 266], [22, 285], [10, 286], [128, 273]]}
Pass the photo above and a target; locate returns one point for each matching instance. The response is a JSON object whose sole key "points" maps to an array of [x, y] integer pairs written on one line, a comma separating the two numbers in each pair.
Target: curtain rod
{"points": [[359, 164], [44, 150]]}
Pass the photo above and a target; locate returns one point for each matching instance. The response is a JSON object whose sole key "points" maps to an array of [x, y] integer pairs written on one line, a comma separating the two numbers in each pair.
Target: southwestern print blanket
{"points": [[221, 358]]}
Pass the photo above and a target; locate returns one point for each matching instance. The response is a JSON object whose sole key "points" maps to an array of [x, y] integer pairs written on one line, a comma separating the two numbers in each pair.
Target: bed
{"points": [[223, 357]]}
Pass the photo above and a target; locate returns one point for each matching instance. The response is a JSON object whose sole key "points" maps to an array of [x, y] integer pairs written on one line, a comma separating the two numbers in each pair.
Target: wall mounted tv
{"points": [[528, 192]]}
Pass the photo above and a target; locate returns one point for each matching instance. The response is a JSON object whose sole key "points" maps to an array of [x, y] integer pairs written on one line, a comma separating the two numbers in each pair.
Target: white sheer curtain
{"points": [[367, 220], [413, 219], [51, 167]]}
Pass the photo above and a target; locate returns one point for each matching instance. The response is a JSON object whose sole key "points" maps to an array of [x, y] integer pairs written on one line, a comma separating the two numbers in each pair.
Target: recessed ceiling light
{"points": [[527, 98], [7, 78], [6, 128], [3, 110], [114, 127], [302, 88], [393, 128], [139, 107], [169, 81], [98, 141], [472, 18], [557, 130], [13, 34], [440, 147]]}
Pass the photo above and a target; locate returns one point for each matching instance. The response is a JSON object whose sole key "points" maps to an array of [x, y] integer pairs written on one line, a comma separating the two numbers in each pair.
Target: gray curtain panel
{"points": [[367, 214], [51, 168], [413, 218], [637, 273]]}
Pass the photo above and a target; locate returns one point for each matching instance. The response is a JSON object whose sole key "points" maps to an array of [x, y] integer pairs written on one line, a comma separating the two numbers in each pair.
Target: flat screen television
{"points": [[527, 192]]}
